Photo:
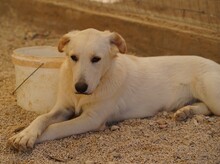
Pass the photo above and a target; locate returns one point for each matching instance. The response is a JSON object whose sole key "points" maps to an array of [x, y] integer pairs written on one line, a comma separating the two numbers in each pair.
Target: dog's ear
{"points": [[65, 39], [119, 41], [63, 42]]}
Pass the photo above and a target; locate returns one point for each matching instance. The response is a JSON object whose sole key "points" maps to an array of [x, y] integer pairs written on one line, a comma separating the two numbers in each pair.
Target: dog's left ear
{"points": [[119, 41]]}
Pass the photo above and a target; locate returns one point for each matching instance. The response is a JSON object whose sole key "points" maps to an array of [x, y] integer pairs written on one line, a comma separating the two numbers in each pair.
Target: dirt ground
{"points": [[159, 139]]}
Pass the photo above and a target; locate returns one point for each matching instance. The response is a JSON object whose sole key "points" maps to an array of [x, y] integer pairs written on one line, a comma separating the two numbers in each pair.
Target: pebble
{"points": [[163, 126], [114, 127], [33, 35], [89, 162], [211, 119], [161, 122], [117, 155], [199, 118], [146, 135], [195, 122], [165, 113], [151, 123], [209, 132]]}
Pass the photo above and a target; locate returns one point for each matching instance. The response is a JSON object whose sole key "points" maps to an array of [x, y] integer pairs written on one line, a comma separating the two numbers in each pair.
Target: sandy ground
{"points": [[152, 140]]}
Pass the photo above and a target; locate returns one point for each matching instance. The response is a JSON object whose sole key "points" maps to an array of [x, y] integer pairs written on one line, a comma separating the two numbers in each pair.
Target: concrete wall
{"points": [[143, 38], [203, 13]]}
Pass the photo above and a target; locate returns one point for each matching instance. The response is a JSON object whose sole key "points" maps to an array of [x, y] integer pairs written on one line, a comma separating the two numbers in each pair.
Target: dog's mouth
{"points": [[77, 93]]}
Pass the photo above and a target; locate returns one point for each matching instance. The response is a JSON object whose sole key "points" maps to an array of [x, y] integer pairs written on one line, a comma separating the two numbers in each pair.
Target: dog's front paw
{"points": [[23, 140], [183, 113]]}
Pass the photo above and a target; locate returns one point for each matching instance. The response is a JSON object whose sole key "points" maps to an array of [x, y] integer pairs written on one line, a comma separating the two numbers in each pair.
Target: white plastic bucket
{"points": [[38, 92]]}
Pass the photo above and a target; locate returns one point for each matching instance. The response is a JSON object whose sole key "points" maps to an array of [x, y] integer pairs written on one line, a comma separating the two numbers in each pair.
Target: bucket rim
{"points": [[24, 59], [18, 52]]}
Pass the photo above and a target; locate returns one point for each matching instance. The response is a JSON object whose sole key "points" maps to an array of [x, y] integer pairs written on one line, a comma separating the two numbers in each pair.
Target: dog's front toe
{"points": [[23, 141]]}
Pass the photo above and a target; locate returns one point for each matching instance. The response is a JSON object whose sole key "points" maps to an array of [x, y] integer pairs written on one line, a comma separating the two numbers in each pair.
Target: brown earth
{"points": [[158, 139]]}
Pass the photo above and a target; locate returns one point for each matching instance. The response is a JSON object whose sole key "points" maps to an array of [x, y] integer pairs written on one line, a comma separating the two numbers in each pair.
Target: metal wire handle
{"points": [[27, 78]]}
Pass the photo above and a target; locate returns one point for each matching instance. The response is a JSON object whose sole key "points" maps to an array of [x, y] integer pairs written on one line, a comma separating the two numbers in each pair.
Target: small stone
{"points": [[114, 127], [163, 126], [117, 155], [30, 35], [211, 119], [151, 123], [199, 118], [89, 162], [209, 132], [161, 122], [165, 113], [195, 122]]}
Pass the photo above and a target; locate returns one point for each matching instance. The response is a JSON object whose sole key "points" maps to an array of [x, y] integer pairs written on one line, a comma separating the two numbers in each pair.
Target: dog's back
{"points": [[163, 83]]}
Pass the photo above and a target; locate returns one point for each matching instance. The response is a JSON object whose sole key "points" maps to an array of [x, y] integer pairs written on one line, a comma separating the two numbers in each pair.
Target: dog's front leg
{"points": [[88, 121], [27, 138]]}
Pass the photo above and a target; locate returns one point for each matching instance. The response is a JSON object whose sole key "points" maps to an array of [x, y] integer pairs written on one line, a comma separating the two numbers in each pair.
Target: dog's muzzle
{"points": [[81, 87]]}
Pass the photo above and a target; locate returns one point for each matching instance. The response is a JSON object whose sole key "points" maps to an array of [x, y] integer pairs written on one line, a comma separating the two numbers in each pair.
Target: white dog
{"points": [[98, 84]]}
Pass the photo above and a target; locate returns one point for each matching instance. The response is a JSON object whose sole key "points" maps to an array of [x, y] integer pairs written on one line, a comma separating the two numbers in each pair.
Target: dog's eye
{"points": [[95, 59], [74, 58]]}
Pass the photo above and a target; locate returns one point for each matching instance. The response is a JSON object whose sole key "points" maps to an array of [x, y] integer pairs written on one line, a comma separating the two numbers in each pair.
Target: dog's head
{"points": [[90, 53]]}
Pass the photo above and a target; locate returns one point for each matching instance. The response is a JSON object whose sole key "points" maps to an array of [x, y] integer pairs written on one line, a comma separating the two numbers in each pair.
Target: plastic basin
{"points": [[38, 92]]}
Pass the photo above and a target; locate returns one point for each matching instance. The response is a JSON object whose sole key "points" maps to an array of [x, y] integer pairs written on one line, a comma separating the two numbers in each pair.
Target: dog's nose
{"points": [[81, 87]]}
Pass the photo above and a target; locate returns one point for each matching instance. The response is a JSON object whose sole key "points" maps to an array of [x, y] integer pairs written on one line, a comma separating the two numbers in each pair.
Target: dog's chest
{"points": [[82, 103]]}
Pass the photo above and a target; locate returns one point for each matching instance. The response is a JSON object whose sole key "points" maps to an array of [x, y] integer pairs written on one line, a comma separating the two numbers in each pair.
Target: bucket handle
{"points": [[27, 78]]}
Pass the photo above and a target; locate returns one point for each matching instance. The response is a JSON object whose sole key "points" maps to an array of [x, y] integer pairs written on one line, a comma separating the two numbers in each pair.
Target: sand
{"points": [[158, 139]]}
